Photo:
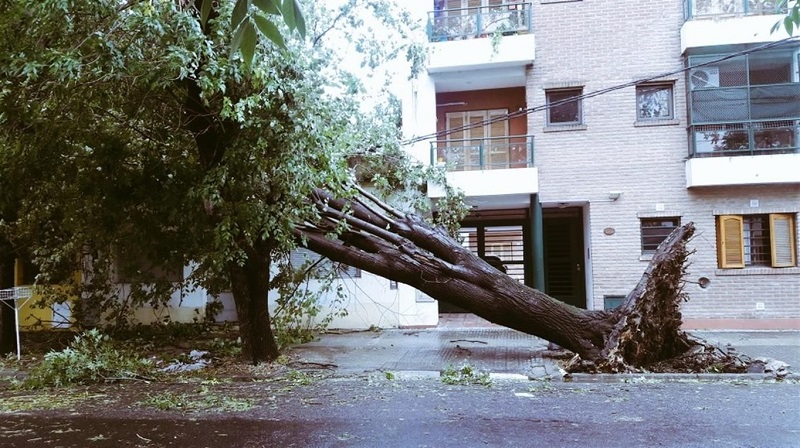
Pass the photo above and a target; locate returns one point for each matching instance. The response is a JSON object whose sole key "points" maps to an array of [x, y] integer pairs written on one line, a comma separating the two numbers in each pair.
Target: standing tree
{"points": [[171, 133]]}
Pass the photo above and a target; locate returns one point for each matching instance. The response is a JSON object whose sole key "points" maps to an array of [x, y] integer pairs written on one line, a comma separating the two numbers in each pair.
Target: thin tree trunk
{"points": [[250, 286], [8, 335]]}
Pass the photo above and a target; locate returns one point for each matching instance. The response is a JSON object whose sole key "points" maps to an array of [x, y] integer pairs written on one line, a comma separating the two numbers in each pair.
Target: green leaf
{"points": [[269, 30], [205, 11], [240, 12], [293, 16], [249, 40], [272, 7], [299, 20], [789, 24], [236, 42]]}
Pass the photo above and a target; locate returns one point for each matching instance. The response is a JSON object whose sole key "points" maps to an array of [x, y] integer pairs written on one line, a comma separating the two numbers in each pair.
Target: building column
{"points": [[537, 243]]}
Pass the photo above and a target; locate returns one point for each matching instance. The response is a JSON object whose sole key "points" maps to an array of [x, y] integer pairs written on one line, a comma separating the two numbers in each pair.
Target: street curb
{"points": [[675, 377], [625, 378]]}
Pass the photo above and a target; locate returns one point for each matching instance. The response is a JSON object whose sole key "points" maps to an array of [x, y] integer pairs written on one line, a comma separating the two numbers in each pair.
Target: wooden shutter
{"points": [[782, 240], [730, 243]]}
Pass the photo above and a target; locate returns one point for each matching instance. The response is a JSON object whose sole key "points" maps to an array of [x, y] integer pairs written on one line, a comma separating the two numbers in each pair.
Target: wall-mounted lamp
{"points": [[614, 195]]}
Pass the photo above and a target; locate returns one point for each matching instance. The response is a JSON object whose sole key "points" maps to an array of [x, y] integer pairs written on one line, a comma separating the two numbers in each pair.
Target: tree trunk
{"points": [[250, 286], [8, 333], [404, 248]]}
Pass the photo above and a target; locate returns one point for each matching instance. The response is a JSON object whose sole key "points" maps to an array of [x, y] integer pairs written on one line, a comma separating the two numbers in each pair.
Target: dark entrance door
{"points": [[497, 233], [563, 255]]}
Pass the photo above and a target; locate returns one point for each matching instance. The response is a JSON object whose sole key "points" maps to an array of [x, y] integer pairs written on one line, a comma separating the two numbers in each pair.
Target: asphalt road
{"points": [[371, 411]]}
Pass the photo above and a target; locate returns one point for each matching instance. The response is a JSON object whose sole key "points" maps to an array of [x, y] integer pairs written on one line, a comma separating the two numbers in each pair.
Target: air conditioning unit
{"points": [[700, 78]]}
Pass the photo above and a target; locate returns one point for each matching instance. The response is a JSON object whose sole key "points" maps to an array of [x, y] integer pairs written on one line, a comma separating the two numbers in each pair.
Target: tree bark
{"points": [[8, 334], [404, 248], [250, 286]]}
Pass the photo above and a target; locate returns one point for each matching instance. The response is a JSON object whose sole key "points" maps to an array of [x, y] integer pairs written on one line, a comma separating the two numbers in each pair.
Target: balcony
{"points": [[499, 170], [772, 168], [730, 22], [514, 151], [507, 18], [747, 105], [699, 9], [751, 138], [494, 44]]}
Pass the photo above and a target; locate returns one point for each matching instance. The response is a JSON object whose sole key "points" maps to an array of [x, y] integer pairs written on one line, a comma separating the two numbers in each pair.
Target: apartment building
{"points": [[584, 131]]}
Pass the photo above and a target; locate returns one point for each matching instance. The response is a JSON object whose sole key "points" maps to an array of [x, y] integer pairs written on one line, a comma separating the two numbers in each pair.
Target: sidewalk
{"points": [[494, 349]]}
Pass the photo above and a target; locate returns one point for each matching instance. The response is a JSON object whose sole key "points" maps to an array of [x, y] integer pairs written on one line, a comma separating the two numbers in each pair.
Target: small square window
{"points": [[656, 230], [654, 102], [562, 111]]}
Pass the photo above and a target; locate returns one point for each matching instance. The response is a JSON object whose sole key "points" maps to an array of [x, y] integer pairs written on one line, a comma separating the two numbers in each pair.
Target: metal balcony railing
{"points": [[509, 17], [751, 138], [693, 9], [514, 151]]}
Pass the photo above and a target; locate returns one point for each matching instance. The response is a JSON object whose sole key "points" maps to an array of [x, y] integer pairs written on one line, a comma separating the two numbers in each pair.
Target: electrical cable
{"points": [[529, 110]]}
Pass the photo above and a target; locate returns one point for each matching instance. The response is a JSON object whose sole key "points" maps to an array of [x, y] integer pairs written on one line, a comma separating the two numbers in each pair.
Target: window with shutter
{"points": [[730, 243], [782, 240]]}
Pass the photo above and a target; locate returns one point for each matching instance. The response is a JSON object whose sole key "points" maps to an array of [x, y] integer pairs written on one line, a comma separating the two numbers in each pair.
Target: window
{"points": [[656, 230], [654, 102], [302, 256], [756, 240], [476, 139], [562, 111]]}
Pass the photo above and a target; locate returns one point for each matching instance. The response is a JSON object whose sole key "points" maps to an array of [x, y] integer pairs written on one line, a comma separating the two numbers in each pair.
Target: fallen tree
{"points": [[367, 233]]}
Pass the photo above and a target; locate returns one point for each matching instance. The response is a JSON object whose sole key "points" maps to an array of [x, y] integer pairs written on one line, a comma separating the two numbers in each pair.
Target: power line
{"points": [[526, 111]]}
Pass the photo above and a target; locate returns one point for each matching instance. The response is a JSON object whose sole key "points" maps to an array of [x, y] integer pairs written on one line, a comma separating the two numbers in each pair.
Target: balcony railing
{"points": [[514, 151], [510, 17], [745, 138], [693, 9]]}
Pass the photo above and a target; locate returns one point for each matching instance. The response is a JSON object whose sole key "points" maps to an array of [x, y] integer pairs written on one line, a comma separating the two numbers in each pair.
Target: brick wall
{"points": [[599, 44]]}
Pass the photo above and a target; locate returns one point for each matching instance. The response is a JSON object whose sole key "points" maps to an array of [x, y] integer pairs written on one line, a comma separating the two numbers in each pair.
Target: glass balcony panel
{"points": [[710, 8], [721, 140], [775, 137], [752, 138], [485, 154], [473, 19], [764, 7]]}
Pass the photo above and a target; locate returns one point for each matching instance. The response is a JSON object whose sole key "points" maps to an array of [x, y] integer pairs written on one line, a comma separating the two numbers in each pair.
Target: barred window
{"points": [[656, 230]]}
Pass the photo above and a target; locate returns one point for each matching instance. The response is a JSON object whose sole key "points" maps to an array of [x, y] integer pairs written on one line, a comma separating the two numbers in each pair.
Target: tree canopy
{"points": [[136, 131]]}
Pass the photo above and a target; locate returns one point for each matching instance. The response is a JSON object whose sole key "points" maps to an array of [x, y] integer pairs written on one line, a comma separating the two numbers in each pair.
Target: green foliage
{"points": [[792, 19], [301, 290], [90, 358], [202, 400], [465, 375], [132, 136], [299, 378]]}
